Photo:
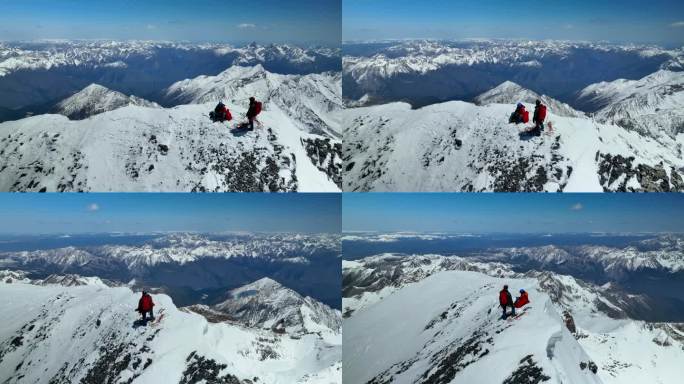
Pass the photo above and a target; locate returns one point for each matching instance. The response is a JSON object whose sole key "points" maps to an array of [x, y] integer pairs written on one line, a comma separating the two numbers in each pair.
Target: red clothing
{"points": [[522, 300], [539, 113], [503, 297], [145, 304]]}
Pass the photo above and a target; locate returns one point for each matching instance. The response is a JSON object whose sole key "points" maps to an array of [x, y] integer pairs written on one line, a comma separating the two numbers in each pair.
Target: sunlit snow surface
{"points": [[438, 313], [87, 333]]}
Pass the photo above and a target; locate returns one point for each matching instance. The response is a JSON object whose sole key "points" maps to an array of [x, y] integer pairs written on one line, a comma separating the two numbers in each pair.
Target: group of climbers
{"points": [[221, 113], [520, 115], [506, 300]]}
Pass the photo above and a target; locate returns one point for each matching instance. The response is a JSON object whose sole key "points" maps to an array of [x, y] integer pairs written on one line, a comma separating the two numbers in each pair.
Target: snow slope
{"points": [[265, 302], [509, 92], [137, 148], [314, 100], [653, 105], [459, 146], [88, 334], [452, 333], [623, 349], [95, 99]]}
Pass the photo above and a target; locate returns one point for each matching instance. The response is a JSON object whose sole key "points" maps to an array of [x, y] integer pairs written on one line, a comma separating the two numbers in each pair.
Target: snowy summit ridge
{"points": [[95, 99]]}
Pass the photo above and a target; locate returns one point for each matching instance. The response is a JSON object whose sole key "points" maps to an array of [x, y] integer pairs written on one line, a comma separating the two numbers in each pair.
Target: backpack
{"points": [[525, 116], [228, 116], [542, 113], [257, 108]]}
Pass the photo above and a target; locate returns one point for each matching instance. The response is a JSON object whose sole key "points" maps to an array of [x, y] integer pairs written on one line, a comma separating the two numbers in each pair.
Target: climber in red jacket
{"points": [[145, 305], [253, 111], [506, 300], [538, 118], [522, 300], [520, 115]]}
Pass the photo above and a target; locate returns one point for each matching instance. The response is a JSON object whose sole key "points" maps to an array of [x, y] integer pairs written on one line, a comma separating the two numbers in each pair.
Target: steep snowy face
{"points": [[458, 146], [425, 72], [314, 101], [267, 304], [653, 105], [137, 148], [447, 328], [181, 249], [373, 278], [90, 334], [509, 92], [597, 317], [95, 99]]}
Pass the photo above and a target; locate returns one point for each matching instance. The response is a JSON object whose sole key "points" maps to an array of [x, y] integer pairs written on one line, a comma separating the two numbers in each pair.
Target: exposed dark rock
{"points": [[327, 157], [569, 322], [527, 373], [202, 370]]}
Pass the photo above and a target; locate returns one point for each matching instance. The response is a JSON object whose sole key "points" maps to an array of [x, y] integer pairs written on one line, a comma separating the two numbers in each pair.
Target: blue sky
{"points": [[299, 21], [150, 212], [660, 21], [513, 213]]}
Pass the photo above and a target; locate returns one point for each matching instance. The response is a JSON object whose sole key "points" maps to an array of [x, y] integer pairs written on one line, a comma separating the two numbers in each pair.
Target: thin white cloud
{"points": [[246, 26], [577, 207], [151, 26], [677, 24], [93, 207]]}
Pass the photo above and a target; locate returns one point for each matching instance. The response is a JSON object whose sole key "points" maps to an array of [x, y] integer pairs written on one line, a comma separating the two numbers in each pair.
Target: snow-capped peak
{"points": [[313, 101], [91, 334], [95, 99], [652, 105], [266, 303], [509, 92]]}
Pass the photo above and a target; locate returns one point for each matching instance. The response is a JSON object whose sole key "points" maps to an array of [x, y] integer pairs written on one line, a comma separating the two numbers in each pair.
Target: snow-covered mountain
{"points": [[314, 100], [266, 303], [34, 76], [89, 334], [450, 331], [182, 248], [95, 99], [459, 146], [509, 92], [571, 332], [653, 105], [425, 72], [115, 54], [137, 148], [614, 261]]}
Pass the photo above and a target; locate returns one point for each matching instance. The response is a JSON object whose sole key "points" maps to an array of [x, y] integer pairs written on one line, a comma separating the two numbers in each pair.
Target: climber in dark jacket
{"points": [[145, 305], [506, 300]]}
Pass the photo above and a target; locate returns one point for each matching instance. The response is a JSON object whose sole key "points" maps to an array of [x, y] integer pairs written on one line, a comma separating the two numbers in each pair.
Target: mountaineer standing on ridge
{"points": [[538, 117], [506, 300], [253, 111], [145, 305]]}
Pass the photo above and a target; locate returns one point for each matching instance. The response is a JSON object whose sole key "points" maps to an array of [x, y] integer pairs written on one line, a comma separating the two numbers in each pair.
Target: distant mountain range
{"points": [[34, 76], [198, 269]]}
